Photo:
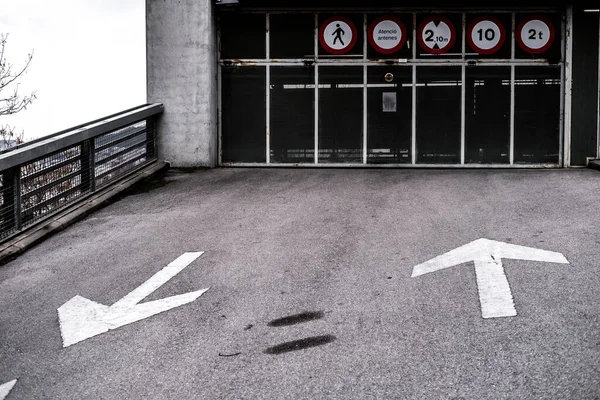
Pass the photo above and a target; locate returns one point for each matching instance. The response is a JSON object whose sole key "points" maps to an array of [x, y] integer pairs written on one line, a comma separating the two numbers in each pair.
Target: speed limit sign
{"points": [[535, 34], [486, 35]]}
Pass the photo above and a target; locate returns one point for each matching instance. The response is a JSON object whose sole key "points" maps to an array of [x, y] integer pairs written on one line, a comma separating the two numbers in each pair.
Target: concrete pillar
{"points": [[182, 74]]}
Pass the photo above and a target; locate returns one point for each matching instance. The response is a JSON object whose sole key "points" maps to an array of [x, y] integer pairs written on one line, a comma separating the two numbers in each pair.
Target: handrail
{"points": [[32, 150], [47, 175]]}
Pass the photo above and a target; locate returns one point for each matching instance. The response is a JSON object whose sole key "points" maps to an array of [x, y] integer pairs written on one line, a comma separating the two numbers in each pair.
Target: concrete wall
{"points": [[182, 74]]}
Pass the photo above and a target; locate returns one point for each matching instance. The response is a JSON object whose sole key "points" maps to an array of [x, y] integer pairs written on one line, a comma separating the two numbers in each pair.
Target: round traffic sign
{"points": [[486, 35], [535, 34], [387, 35], [337, 35], [436, 34]]}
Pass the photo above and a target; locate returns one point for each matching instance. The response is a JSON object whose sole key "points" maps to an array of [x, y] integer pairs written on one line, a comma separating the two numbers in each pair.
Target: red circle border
{"points": [[402, 30], [541, 49], [502, 34], [326, 47], [452, 30]]}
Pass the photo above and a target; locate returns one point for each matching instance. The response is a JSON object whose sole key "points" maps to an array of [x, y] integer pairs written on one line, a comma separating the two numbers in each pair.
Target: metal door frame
{"points": [[565, 90]]}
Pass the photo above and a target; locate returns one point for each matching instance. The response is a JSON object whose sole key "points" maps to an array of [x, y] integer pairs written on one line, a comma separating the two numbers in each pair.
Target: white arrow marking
{"points": [[82, 319], [494, 291], [6, 388]]}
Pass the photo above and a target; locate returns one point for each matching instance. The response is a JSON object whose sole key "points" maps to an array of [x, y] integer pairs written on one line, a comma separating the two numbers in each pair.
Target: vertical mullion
{"points": [[598, 113], [268, 85], [414, 94], [316, 110], [463, 101], [512, 116], [512, 93], [268, 113], [220, 114], [365, 84], [463, 94], [219, 101], [568, 89], [563, 94]]}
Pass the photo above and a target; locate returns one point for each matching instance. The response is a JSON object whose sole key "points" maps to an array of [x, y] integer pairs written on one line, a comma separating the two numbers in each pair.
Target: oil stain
{"points": [[297, 319], [301, 344]]}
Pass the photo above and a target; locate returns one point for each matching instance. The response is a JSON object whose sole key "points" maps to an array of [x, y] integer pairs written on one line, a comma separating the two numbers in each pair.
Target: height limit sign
{"points": [[436, 35]]}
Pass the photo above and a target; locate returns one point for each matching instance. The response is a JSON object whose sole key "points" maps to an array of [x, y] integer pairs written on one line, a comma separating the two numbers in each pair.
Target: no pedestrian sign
{"points": [[337, 35], [535, 34], [486, 35], [436, 35], [387, 35]]}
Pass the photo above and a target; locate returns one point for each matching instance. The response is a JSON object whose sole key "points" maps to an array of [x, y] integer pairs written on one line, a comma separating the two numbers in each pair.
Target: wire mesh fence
{"points": [[38, 181]]}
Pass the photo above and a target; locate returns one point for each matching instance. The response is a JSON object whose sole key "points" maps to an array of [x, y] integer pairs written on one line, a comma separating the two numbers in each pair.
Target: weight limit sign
{"points": [[535, 34], [486, 35], [436, 35]]}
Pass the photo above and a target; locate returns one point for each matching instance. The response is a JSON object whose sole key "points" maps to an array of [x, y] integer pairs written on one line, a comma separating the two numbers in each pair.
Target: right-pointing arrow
{"points": [[6, 388], [494, 291]]}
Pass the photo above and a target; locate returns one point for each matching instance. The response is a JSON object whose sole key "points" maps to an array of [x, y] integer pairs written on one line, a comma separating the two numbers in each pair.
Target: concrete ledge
{"points": [[32, 236], [595, 164]]}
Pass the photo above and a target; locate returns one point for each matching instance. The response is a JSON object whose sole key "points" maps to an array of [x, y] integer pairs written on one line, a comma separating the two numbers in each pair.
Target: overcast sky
{"points": [[89, 59]]}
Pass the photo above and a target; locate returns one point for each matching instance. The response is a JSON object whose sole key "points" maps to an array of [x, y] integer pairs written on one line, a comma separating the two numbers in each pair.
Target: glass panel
{"points": [[438, 114], [386, 40], [389, 107], [243, 35], [488, 115], [244, 109], [343, 34], [537, 114], [292, 36], [340, 114], [439, 35], [292, 114]]}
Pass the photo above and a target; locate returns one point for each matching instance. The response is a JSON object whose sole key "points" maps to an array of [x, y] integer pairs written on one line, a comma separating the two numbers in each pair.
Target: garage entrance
{"points": [[448, 88]]}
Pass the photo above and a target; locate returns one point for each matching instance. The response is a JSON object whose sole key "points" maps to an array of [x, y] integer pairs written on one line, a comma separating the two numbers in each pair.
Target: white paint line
{"points": [[157, 280], [6, 388], [494, 291], [81, 318]]}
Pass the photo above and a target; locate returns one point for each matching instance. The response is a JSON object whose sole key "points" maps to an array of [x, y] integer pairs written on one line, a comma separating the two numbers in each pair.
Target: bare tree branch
{"points": [[14, 102]]}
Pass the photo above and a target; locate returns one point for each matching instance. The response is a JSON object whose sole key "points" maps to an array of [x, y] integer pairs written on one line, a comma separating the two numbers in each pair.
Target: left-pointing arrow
{"points": [[82, 319], [6, 388]]}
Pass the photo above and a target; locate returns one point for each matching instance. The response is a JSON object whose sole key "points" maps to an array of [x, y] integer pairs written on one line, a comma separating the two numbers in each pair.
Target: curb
{"points": [[594, 164], [34, 235]]}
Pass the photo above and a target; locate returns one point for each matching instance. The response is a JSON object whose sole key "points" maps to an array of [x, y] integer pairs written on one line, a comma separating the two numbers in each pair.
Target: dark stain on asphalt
{"points": [[297, 319], [301, 344]]}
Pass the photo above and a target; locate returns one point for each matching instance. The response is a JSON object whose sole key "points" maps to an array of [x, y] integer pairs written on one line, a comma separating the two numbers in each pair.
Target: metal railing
{"points": [[42, 177]]}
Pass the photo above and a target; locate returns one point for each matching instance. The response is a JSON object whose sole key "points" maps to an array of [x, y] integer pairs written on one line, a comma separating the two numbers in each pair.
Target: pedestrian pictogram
{"points": [[338, 35], [535, 34], [387, 35], [486, 35], [436, 35]]}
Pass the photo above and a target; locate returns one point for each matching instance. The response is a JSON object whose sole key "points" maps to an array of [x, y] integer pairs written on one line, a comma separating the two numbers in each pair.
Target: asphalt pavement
{"points": [[310, 293]]}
